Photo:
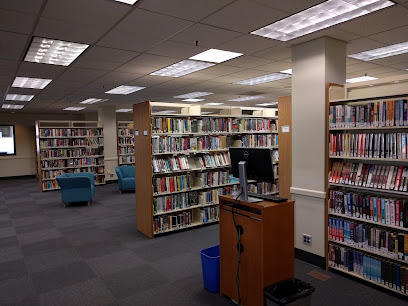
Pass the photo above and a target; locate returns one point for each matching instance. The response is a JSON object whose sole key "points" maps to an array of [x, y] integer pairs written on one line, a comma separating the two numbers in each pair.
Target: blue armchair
{"points": [[126, 177], [77, 187]]}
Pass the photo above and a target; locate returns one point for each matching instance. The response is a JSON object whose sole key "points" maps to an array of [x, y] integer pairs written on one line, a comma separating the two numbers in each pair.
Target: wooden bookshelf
{"points": [[365, 95], [188, 149], [126, 154], [66, 147]]}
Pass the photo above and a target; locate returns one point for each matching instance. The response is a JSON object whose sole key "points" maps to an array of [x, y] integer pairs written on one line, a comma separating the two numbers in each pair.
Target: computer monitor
{"points": [[254, 164]]}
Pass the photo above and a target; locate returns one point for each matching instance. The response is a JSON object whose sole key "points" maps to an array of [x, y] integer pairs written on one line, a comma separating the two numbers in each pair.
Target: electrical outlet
{"points": [[110, 174], [307, 239]]}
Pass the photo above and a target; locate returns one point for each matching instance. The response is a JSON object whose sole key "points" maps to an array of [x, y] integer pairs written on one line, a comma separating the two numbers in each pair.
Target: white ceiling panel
{"points": [[247, 74], [109, 54], [248, 61], [292, 6], [18, 22], [136, 68], [151, 24], [120, 40], [352, 61], [40, 70], [380, 21], [81, 75], [222, 69], [200, 76], [12, 45], [154, 60], [187, 9], [208, 36], [69, 31], [392, 60], [117, 78], [361, 67], [277, 53], [176, 50], [101, 14], [244, 16], [31, 6], [248, 44], [389, 74], [148, 81], [393, 36], [362, 44], [275, 66], [96, 64], [8, 68], [380, 70], [400, 66]]}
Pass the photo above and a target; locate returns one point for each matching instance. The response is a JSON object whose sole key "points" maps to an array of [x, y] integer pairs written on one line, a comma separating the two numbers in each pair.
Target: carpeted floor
{"points": [[80, 255]]}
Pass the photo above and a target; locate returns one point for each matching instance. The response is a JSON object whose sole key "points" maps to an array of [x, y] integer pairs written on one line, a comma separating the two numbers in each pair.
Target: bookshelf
{"points": [[126, 154], [367, 189], [184, 165], [66, 147]]}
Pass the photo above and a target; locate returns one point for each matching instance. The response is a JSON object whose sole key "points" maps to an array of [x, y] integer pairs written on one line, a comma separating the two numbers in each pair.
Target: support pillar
{"points": [[107, 115]]}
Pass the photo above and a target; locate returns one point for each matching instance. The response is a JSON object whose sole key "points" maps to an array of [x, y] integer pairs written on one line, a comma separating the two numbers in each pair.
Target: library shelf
{"points": [[367, 99], [399, 228], [184, 209], [125, 134], [187, 152], [194, 224], [371, 190], [368, 128], [365, 279], [364, 250], [197, 188], [73, 157], [370, 159]]}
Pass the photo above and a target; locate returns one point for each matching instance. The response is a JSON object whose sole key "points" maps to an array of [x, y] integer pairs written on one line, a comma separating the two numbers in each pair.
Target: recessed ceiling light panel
{"points": [[195, 94], [381, 52], [13, 97], [264, 79], [268, 104], [124, 90], [360, 79], [287, 71], [165, 112], [74, 109], [93, 101], [53, 52], [124, 110], [214, 103], [245, 98], [182, 68], [319, 17], [215, 56], [22, 82], [12, 106], [193, 100], [206, 113], [131, 2]]}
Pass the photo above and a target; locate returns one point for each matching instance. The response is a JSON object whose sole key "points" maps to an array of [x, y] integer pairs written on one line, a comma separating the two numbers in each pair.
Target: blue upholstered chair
{"points": [[126, 177], [77, 187]]}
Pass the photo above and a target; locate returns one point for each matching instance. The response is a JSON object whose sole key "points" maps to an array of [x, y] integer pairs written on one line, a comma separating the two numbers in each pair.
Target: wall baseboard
{"points": [[3, 178], [111, 182], [310, 258]]}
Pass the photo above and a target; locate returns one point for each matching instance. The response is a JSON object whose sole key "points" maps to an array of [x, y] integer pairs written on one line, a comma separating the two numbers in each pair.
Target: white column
{"points": [[314, 63], [107, 115]]}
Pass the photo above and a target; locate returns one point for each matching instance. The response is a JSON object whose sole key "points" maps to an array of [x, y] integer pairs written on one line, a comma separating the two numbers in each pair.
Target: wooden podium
{"points": [[268, 247]]}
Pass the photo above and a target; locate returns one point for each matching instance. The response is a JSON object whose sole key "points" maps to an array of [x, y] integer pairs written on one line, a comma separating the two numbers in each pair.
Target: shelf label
{"points": [[136, 132], [285, 129], [144, 132]]}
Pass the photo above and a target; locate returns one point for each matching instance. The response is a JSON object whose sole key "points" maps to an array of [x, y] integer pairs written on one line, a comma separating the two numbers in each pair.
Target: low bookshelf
{"points": [[126, 153], [67, 147], [183, 163], [367, 190]]}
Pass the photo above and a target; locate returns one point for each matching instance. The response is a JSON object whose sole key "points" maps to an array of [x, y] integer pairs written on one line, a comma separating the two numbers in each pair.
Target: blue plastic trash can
{"points": [[210, 263]]}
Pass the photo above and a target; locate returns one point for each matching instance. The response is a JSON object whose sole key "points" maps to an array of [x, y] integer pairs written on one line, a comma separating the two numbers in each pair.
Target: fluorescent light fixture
{"points": [[287, 71], [12, 97], [131, 2], [22, 82], [166, 112], [195, 94], [318, 17], [193, 100], [381, 52], [268, 104], [12, 106], [124, 90], [182, 68], [74, 109], [245, 98], [206, 113], [93, 101], [214, 103], [215, 56], [264, 79], [360, 79], [53, 52], [124, 110]]}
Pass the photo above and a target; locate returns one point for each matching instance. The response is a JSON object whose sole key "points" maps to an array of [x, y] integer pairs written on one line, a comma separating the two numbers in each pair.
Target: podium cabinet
{"points": [[268, 247]]}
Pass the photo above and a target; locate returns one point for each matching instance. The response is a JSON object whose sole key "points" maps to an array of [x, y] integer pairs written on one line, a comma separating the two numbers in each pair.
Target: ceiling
{"points": [[127, 43]]}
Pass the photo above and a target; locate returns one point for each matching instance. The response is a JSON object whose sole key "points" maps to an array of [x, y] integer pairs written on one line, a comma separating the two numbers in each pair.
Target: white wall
{"points": [[314, 64]]}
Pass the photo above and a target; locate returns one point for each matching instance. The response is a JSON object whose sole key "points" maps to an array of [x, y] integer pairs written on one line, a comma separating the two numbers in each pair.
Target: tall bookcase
{"points": [[66, 147], [183, 164], [367, 195], [126, 154]]}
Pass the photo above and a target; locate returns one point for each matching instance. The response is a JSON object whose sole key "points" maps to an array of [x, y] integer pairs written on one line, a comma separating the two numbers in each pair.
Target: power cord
{"points": [[239, 246]]}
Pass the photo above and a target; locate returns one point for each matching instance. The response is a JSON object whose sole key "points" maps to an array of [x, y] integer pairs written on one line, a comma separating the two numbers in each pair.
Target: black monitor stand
{"points": [[244, 184]]}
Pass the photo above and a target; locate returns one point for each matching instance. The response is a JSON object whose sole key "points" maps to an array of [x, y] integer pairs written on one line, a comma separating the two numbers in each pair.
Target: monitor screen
{"points": [[7, 140], [259, 165]]}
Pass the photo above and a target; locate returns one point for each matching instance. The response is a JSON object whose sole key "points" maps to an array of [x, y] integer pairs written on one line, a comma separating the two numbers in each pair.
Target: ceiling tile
{"points": [[274, 66], [401, 66], [292, 6], [8, 68], [12, 21], [222, 69], [362, 44], [244, 16], [248, 44], [187, 9], [96, 64], [120, 40], [380, 21], [81, 75], [31, 6], [110, 54], [278, 53], [150, 24], [386, 61], [44, 71], [391, 37], [69, 31], [361, 67], [176, 50], [208, 36], [148, 81], [201, 76], [248, 61], [117, 78], [101, 14], [389, 74], [136, 68], [154, 60], [12, 45]]}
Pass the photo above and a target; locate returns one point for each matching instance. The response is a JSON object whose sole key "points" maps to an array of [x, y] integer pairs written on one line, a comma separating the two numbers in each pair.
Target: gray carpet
{"points": [[51, 255]]}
